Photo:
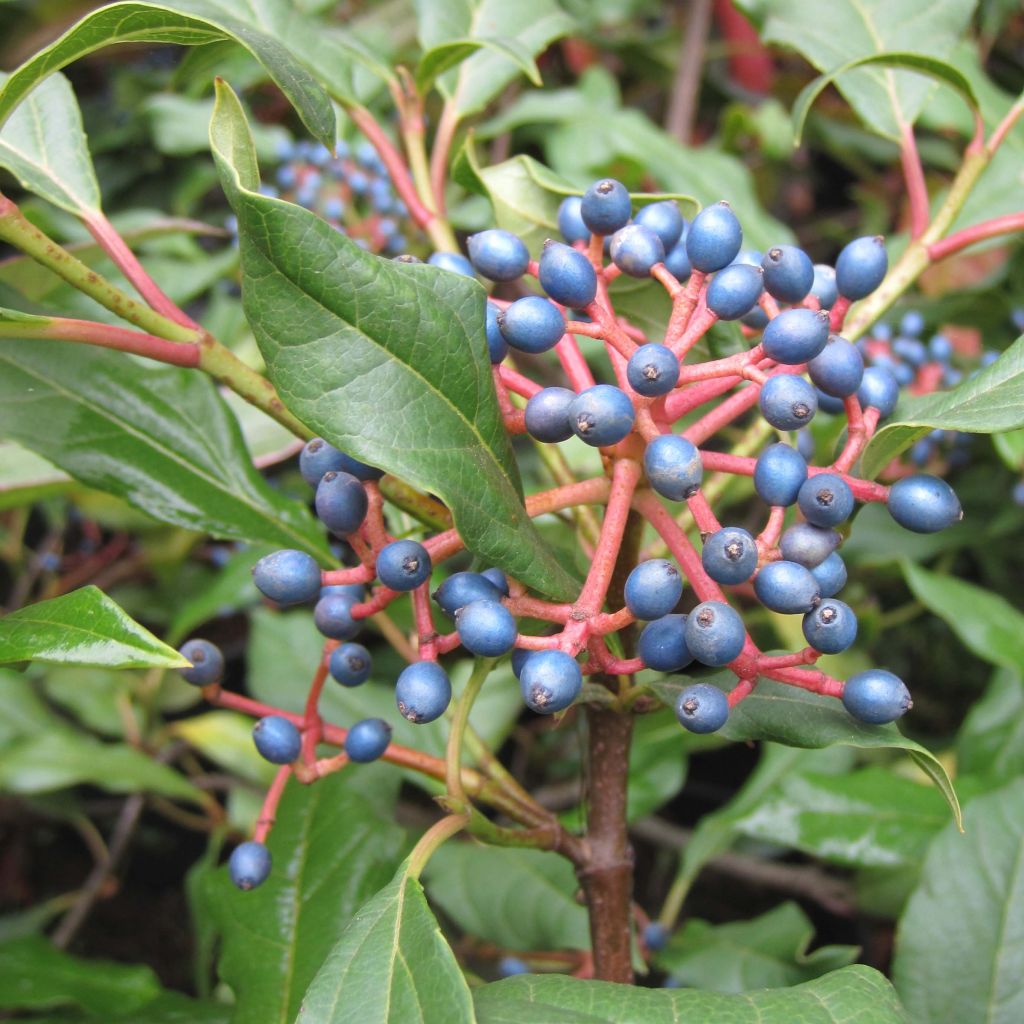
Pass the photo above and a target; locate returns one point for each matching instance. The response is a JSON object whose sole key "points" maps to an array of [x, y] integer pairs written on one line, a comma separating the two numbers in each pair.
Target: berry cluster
{"points": [[653, 426]]}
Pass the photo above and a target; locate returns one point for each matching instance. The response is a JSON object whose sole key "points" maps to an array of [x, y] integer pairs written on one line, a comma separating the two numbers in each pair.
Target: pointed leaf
{"points": [[450, 54], [991, 740]]}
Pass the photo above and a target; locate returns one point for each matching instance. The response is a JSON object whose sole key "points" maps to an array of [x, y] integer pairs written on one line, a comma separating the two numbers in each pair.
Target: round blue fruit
{"points": [[734, 291], [838, 369], [823, 288], [662, 644], [547, 415], [249, 865], [702, 708], [532, 324], [652, 370], [567, 275], [714, 633], [664, 219], [602, 415], [788, 273], [677, 259], [498, 255], [825, 499], [316, 458], [787, 587], [403, 565], [807, 544], [924, 503], [861, 266], [570, 220], [509, 966], [333, 616], [207, 663], [880, 389], [876, 697], [788, 402], [497, 346], [606, 207], [779, 474], [729, 555], [453, 262], [423, 692], [549, 681], [653, 589], [830, 574], [636, 249], [350, 664], [498, 579], [367, 740], [655, 936], [796, 335], [714, 238], [673, 467], [486, 628], [831, 627], [287, 577], [341, 502], [462, 588], [277, 740]]}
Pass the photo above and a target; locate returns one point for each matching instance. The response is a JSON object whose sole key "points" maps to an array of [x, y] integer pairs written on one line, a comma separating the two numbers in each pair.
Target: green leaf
{"points": [[988, 403], [22, 711], [929, 66], [991, 740], [390, 966], [987, 623], [82, 628], [343, 331], [450, 54], [158, 436], [44, 146], [189, 23], [36, 976], [769, 951], [25, 477], [167, 1008], [853, 995], [960, 942], [44, 762], [517, 898], [332, 851], [883, 98]]}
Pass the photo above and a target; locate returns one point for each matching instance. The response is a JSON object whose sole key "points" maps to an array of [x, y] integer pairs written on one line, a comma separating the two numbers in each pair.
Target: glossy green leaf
{"points": [[332, 850], [189, 23], [158, 436], [853, 995], [34, 975], [769, 951], [991, 740], [343, 331], [390, 966], [44, 146], [450, 54], [960, 942], [26, 477], [82, 628], [988, 403], [987, 623], [519, 899]]}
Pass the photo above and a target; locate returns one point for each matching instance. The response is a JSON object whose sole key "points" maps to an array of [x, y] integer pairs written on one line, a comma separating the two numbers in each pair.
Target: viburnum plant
{"points": [[422, 389]]}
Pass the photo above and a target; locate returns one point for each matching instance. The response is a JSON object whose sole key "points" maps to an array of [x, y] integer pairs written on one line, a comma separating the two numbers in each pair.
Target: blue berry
{"points": [[547, 415], [749, 257], [788, 402], [729, 555], [249, 865], [317, 458], [367, 740], [779, 474], [702, 708], [831, 627], [423, 692], [566, 275], [823, 288], [786, 587], [519, 656], [277, 740], [677, 260], [463, 587], [826, 403], [825, 499], [453, 262], [714, 633], [570, 221], [403, 565], [673, 467], [805, 443], [662, 644], [940, 348], [830, 574], [341, 502], [655, 936], [636, 249], [486, 628], [788, 273], [509, 966], [498, 579], [911, 350], [653, 589], [912, 323], [714, 238], [207, 663], [287, 577], [1018, 493], [606, 207], [664, 219], [807, 544], [601, 415], [360, 470], [882, 331], [876, 697], [350, 664], [734, 291], [333, 616], [838, 369], [498, 255], [879, 388], [549, 681], [861, 266], [652, 370], [796, 335], [924, 503], [497, 346], [532, 324]]}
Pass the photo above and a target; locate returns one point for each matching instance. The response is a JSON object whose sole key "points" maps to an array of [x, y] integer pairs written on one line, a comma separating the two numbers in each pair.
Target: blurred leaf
{"points": [[93, 695], [960, 943], [450, 54], [22, 711], [82, 628], [158, 436], [26, 477], [991, 740], [769, 951], [520, 899], [1010, 446], [167, 1008], [181, 127]]}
